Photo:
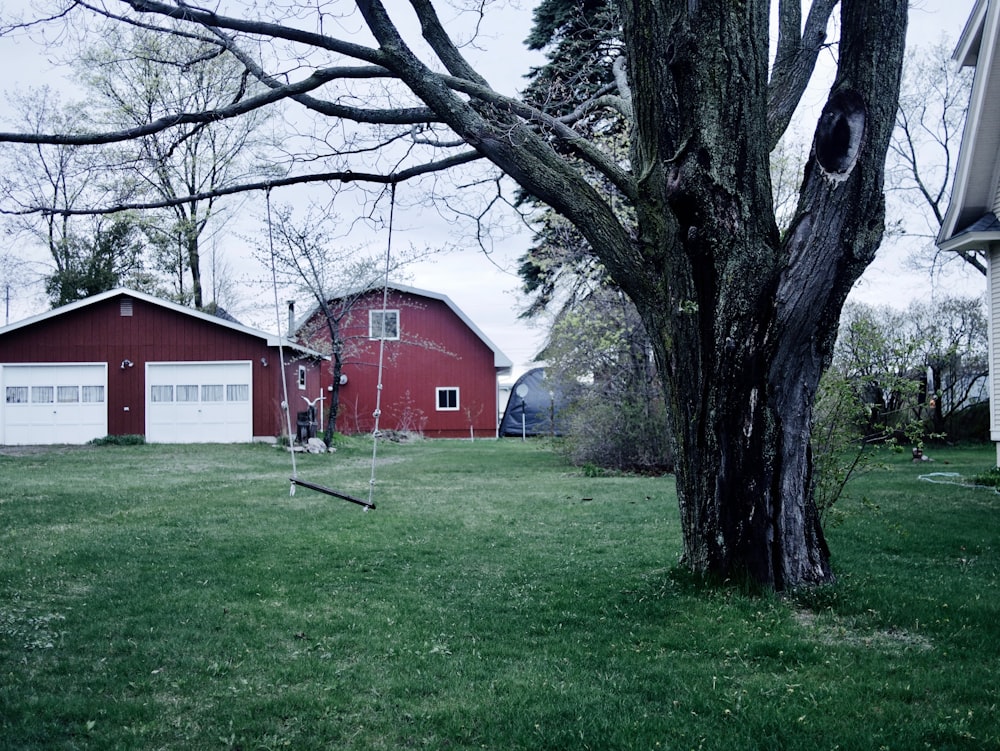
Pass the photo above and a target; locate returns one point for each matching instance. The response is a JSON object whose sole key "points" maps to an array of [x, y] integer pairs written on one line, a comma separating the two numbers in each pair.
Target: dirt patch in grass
{"points": [[830, 629]]}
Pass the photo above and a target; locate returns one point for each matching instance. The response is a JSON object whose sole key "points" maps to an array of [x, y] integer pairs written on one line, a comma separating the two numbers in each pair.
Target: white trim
{"points": [[437, 398], [969, 241], [270, 339], [979, 143], [500, 361], [967, 49], [55, 422]]}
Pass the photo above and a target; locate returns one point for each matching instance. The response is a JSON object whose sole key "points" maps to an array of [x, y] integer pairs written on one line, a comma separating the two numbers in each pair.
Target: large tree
{"points": [[136, 75], [742, 318]]}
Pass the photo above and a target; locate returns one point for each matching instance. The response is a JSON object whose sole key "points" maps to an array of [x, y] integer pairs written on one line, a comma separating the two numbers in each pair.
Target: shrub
{"points": [[989, 478], [119, 440], [630, 435]]}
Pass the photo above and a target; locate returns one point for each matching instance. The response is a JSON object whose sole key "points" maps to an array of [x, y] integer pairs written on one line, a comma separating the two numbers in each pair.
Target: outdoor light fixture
{"points": [[126, 364], [263, 361], [522, 392]]}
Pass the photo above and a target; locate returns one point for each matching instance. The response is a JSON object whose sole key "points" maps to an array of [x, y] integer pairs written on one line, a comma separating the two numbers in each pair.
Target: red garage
{"points": [[124, 362]]}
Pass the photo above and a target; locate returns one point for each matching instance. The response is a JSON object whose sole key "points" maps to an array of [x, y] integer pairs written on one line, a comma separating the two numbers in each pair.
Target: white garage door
{"points": [[64, 403], [199, 402]]}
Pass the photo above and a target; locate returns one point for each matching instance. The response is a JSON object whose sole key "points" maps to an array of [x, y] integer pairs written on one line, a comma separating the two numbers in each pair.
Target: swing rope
{"points": [[376, 432], [281, 339]]}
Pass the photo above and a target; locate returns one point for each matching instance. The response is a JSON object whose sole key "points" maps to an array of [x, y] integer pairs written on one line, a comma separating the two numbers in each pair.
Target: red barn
{"points": [[125, 363], [439, 375]]}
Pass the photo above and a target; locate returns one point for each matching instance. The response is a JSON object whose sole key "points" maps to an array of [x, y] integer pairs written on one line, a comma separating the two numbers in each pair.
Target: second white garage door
{"points": [[199, 402]]}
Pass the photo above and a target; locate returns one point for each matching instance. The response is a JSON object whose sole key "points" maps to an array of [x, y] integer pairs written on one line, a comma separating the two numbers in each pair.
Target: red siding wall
{"points": [[435, 349], [100, 333]]}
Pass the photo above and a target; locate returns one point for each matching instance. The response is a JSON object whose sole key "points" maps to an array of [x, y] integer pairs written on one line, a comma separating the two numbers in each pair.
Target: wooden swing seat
{"points": [[334, 493]]}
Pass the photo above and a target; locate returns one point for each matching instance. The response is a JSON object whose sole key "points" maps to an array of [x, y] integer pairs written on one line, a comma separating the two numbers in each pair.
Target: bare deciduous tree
{"points": [[137, 75], [923, 152], [307, 255]]}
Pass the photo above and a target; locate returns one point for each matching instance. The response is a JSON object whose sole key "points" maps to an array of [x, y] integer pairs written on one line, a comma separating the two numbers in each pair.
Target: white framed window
{"points": [[237, 392], [93, 394], [187, 393], [17, 395], [43, 394], [447, 398], [302, 377], [212, 392], [161, 393], [67, 394], [383, 324]]}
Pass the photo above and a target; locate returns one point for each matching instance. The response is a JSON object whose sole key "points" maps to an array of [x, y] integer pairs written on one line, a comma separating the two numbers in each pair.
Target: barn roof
{"points": [[969, 221], [500, 360], [228, 323]]}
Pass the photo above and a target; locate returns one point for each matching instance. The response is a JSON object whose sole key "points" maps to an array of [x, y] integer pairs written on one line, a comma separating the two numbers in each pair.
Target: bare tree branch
{"points": [[262, 185], [795, 60], [314, 81]]}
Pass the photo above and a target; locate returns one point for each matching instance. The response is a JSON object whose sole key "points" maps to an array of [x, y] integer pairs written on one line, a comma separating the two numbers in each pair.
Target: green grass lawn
{"points": [[172, 597]]}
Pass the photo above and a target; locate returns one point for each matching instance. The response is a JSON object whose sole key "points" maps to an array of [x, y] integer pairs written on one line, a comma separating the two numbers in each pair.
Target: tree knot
{"points": [[839, 134]]}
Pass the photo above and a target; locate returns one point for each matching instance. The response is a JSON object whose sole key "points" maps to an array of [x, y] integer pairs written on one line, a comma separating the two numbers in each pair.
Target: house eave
{"points": [[970, 241], [974, 186], [970, 40], [501, 362]]}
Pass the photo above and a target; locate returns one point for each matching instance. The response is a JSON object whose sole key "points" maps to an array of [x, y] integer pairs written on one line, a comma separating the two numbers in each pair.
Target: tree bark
{"points": [[193, 252], [743, 321]]}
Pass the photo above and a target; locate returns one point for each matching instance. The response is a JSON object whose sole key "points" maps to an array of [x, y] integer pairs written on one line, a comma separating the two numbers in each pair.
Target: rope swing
{"points": [[376, 432]]}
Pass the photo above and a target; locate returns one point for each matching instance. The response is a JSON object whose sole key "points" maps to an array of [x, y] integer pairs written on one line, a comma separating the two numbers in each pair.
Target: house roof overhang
{"points": [[270, 339], [978, 169], [978, 236], [501, 362]]}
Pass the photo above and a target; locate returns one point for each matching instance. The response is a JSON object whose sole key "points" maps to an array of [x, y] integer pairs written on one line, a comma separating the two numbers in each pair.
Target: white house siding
{"points": [[993, 296]]}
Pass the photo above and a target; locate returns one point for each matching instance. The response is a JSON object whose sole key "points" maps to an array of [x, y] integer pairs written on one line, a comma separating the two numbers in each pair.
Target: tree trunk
{"points": [[194, 265], [744, 321], [337, 368], [337, 352]]}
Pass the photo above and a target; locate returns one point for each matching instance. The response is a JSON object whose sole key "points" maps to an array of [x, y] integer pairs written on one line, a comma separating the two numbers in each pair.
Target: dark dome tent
{"points": [[538, 401]]}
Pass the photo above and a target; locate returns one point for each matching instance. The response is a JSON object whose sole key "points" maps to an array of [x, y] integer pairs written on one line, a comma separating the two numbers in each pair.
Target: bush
{"points": [[990, 478], [119, 440], [626, 436]]}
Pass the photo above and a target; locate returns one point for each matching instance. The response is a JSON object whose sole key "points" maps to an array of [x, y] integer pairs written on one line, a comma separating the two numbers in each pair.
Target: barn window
{"points": [[238, 392], [42, 394], [126, 307], [447, 399], [383, 324], [212, 392], [17, 395], [161, 393], [302, 377], [68, 394], [93, 394]]}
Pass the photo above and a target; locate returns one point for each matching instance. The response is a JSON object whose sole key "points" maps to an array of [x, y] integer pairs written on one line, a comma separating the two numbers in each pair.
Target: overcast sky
{"points": [[485, 288]]}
